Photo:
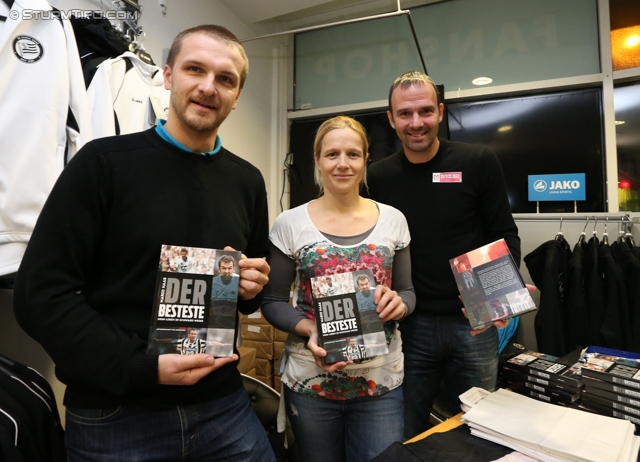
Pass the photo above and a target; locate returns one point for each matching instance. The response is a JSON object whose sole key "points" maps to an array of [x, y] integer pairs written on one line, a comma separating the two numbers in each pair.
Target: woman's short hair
{"points": [[336, 123]]}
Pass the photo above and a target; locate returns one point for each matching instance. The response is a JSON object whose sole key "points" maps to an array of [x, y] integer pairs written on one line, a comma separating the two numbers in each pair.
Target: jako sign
{"points": [[563, 187]]}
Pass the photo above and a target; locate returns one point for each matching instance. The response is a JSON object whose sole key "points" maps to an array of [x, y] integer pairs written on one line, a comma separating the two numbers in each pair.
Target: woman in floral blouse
{"points": [[350, 410]]}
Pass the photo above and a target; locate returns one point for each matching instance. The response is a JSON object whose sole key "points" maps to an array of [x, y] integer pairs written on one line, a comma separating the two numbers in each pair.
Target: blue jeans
{"points": [[353, 430], [225, 429], [442, 358]]}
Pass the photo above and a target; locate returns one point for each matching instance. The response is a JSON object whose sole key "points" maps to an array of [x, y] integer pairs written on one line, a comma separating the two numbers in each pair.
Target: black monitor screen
{"points": [[547, 134]]}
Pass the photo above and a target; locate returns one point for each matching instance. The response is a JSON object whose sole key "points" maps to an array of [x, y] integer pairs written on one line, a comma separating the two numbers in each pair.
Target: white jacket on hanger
{"points": [[40, 81], [137, 96]]}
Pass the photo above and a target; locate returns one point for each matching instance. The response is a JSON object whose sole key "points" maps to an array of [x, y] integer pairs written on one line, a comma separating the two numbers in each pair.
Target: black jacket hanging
{"points": [[576, 314], [616, 319], [28, 405], [97, 41], [547, 266], [594, 290], [630, 266]]}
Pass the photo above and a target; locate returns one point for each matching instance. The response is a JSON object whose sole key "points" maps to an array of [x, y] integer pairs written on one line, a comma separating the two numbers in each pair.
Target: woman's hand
{"points": [[389, 304], [307, 328]]}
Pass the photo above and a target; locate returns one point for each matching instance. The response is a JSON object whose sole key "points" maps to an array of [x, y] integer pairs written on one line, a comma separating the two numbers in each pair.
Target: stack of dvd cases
{"points": [[544, 377], [611, 380]]}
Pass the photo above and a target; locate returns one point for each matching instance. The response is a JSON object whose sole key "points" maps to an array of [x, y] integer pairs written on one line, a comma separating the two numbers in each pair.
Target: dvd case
{"points": [[614, 366], [195, 308], [561, 370], [490, 285], [349, 327], [590, 384], [611, 396]]}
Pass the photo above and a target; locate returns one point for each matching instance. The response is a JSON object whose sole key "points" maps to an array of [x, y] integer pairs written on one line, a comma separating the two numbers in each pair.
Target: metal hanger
{"points": [[583, 234], [559, 236], [628, 233], [141, 52]]}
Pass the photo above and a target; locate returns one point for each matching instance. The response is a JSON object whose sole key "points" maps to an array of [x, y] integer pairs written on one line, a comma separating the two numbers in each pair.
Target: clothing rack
{"points": [[600, 218], [624, 221]]}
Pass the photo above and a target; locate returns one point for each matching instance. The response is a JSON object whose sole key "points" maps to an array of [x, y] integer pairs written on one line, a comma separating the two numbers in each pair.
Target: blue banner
{"points": [[563, 187]]}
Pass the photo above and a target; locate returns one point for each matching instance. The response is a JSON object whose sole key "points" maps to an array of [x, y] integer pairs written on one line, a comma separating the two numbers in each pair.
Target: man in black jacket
{"points": [[455, 200]]}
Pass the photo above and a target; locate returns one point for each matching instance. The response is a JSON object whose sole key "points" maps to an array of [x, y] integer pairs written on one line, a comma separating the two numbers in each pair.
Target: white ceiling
{"points": [[282, 15]]}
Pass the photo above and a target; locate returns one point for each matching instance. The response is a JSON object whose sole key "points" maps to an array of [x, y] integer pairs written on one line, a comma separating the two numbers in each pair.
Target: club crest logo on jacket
{"points": [[27, 49]]}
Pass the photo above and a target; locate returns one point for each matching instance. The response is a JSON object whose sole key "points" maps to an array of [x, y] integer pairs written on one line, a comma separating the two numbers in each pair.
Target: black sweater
{"points": [[85, 288], [446, 219]]}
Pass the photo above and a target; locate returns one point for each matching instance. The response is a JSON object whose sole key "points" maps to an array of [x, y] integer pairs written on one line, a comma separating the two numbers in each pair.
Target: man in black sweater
{"points": [[454, 198], [85, 289]]}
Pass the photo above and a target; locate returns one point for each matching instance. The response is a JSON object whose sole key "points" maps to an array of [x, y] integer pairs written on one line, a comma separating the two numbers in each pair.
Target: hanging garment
{"points": [[595, 293], [615, 328], [44, 119], [126, 96], [547, 265], [576, 314], [97, 41], [630, 267], [30, 427]]}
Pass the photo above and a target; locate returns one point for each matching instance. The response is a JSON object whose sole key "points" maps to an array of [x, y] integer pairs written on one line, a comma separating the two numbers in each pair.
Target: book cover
{"points": [[490, 285], [196, 296], [349, 327], [618, 367]]}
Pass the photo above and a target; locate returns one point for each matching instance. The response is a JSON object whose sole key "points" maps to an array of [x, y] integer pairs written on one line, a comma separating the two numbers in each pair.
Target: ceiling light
{"points": [[482, 81], [632, 41], [505, 128], [619, 122]]}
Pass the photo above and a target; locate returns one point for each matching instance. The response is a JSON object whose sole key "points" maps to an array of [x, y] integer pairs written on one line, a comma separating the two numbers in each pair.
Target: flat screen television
{"points": [[535, 135]]}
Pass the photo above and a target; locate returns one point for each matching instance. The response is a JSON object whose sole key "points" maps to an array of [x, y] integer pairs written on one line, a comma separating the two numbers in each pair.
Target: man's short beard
{"points": [[199, 126]]}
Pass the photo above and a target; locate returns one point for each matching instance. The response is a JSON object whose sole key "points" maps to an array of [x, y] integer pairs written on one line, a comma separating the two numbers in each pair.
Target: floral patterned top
{"points": [[315, 255]]}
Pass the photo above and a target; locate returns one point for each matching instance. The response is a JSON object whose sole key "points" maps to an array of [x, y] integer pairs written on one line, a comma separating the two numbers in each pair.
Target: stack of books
{"points": [[611, 380], [544, 377]]}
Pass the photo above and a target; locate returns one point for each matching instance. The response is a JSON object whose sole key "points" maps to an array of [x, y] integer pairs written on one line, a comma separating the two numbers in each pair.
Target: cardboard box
{"points": [[264, 350], [251, 373], [247, 359], [278, 348], [253, 318], [264, 367], [279, 335], [277, 383], [257, 332]]}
